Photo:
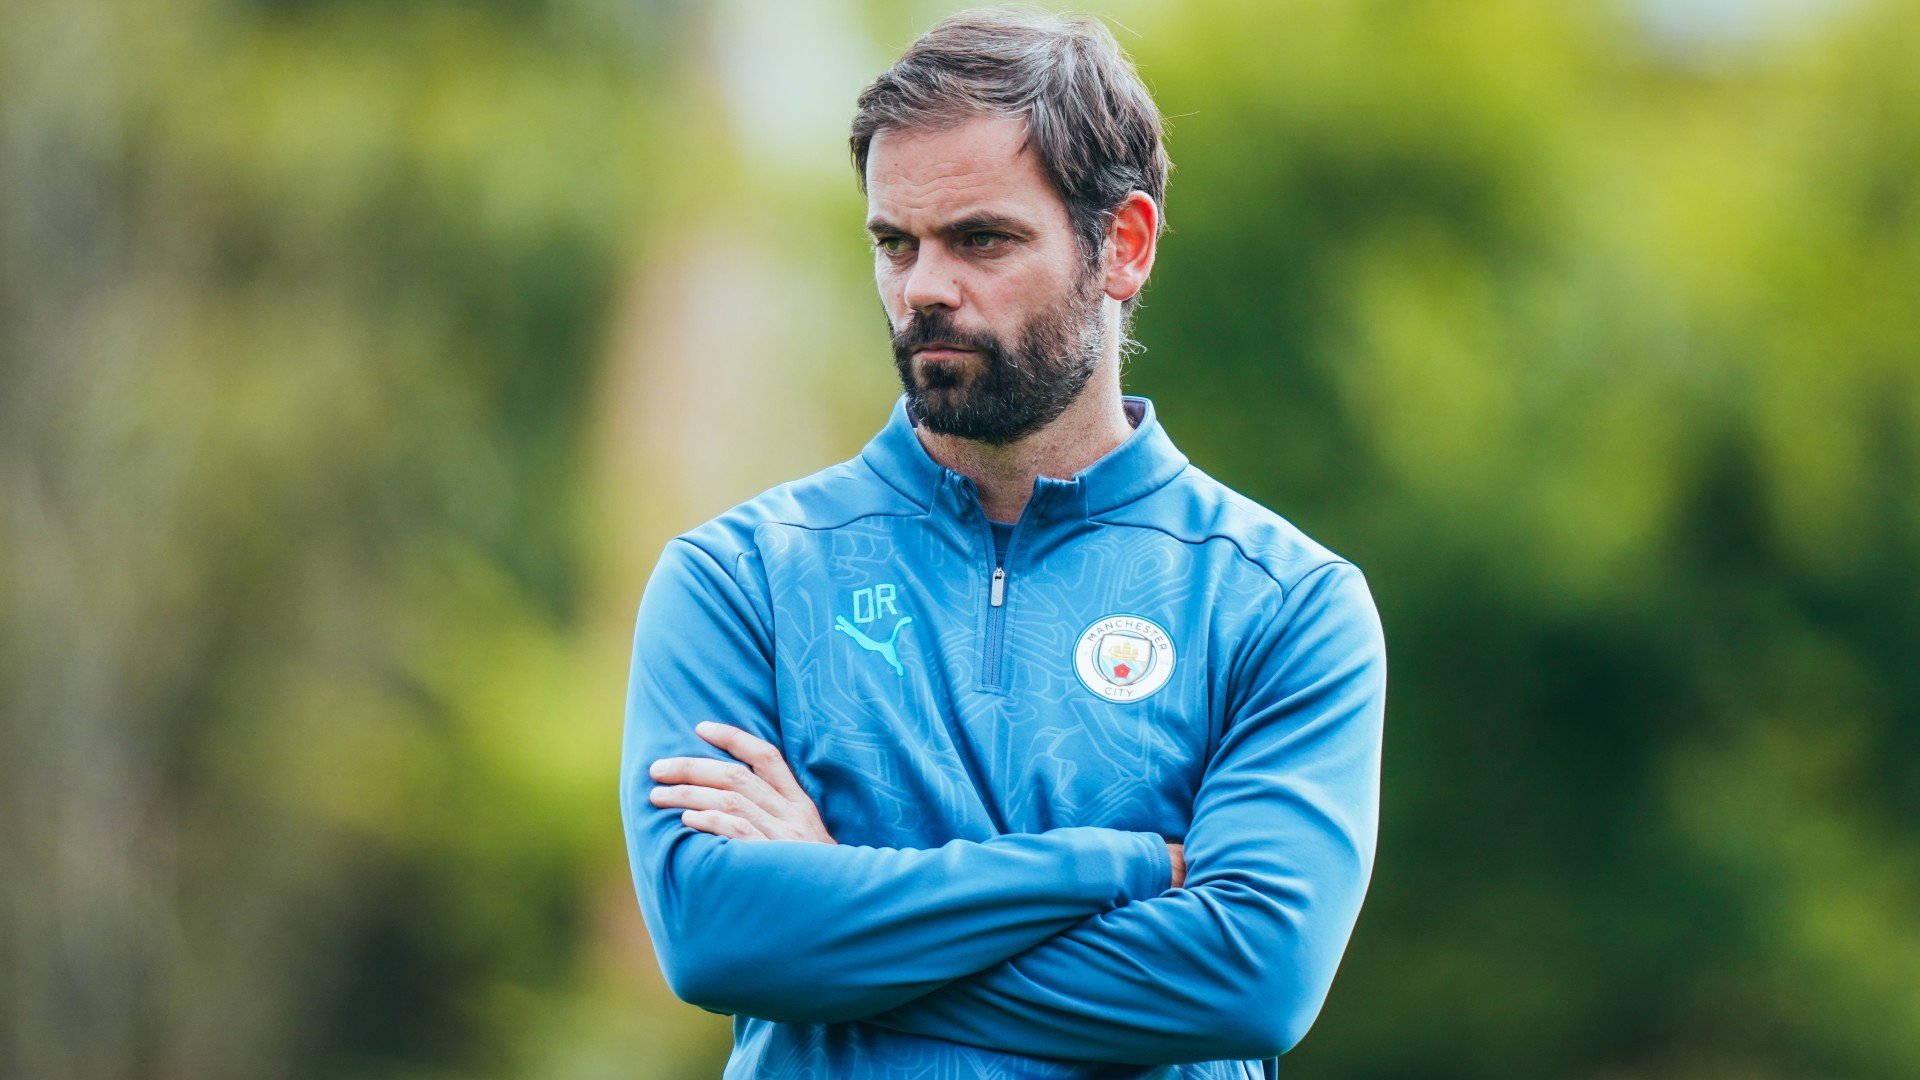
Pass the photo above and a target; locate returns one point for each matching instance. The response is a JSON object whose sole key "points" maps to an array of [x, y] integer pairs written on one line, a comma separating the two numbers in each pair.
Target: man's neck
{"points": [[1095, 423]]}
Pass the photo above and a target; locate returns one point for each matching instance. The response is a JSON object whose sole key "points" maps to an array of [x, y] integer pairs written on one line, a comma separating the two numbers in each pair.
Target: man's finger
{"points": [[714, 773], [757, 752], [719, 824], [731, 803]]}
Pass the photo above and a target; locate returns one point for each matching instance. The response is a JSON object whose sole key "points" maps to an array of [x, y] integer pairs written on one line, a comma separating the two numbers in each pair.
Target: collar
{"points": [[1143, 463]]}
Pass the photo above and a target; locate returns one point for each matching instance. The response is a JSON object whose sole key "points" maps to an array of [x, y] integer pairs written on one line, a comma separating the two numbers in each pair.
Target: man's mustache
{"points": [[937, 328]]}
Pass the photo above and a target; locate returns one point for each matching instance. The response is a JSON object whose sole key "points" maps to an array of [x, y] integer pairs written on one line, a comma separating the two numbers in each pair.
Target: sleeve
{"points": [[1237, 962], [785, 930]]}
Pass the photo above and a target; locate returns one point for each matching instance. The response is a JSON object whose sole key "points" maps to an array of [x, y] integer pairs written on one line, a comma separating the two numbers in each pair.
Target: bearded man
{"points": [[1016, 746]]}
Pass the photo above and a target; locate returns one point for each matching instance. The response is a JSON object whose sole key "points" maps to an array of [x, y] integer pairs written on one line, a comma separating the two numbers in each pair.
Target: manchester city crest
{"points": [[1123, 657]]}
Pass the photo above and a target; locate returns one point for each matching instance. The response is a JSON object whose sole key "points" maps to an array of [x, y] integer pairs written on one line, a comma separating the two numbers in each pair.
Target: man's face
{"points": [[996, 317]]}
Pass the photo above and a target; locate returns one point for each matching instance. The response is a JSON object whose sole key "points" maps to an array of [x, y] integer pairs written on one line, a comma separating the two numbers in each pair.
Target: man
{"points": [[1016, 746]]}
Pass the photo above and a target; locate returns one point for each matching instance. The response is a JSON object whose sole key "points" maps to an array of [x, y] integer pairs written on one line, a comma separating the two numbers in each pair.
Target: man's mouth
{"points": [[942, 351]]}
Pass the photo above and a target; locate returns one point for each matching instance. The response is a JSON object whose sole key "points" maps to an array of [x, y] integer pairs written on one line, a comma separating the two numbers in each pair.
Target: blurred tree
{"points": [[1600, 359], [300, 304], [355, 359]]}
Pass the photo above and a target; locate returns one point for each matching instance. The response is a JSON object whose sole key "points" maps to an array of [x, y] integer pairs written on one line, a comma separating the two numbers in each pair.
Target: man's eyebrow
{"points": [[972, 224], [987, 223]]}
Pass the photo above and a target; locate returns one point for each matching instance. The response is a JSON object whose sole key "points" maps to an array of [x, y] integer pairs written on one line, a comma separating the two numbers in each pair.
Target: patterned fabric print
{"points": [[920, 759]]}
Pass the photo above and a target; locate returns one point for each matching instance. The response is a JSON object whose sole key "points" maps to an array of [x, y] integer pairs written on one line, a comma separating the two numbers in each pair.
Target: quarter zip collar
{"points": [[1146, 461]]}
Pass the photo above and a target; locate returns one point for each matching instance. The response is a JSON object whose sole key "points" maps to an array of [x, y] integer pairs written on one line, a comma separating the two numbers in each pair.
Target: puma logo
{"points": [[884, 648]]}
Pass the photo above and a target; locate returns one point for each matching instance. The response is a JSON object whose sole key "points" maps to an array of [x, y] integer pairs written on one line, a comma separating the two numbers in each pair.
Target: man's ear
{"points": [[1131, 237]]}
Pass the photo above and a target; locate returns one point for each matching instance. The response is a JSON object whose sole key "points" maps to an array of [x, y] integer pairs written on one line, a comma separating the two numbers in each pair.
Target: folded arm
{"points": [[786, 930], [1237, 963]]}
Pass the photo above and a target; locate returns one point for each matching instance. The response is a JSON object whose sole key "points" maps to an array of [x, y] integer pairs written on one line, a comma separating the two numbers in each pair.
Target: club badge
{"points": [[1123, 657]]}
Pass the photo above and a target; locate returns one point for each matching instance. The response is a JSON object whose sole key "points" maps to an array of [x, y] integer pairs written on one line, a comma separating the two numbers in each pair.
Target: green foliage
{"points": [[355, 358], [1595, 364], [290, 475]]}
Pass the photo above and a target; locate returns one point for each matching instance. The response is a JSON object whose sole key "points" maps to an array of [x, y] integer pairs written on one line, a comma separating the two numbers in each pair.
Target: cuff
{"points": [[1156, 872]]}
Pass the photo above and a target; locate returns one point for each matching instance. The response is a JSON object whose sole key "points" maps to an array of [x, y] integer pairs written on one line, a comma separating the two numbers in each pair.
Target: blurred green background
{"points": [[356, 359]]}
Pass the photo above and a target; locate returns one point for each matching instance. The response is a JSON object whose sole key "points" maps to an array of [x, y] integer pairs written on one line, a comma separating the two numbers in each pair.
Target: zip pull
{"points": [[998, 594]]}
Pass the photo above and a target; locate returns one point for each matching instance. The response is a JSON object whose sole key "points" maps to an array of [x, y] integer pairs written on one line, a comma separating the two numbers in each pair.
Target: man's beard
{"points": [[1009, 393]]}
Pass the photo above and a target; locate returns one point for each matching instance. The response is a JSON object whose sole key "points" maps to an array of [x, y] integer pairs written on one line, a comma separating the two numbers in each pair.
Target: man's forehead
{"points": [[984, 138], [979, 167]]}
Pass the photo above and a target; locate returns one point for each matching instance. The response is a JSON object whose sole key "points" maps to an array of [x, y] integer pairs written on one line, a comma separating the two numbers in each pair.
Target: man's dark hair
{"points": [[1089, 118]]}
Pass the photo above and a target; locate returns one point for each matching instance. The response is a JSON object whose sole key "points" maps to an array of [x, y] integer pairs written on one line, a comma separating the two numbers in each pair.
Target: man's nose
{"points": [[934, 281]]}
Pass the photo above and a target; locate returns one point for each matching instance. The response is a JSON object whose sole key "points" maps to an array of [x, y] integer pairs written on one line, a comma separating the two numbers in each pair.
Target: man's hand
{"points": [[1179, 853], [757, 800]]}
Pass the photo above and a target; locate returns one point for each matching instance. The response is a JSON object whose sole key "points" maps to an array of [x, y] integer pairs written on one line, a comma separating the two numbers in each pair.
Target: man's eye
{"points": [[984, 240], [891, 245]]}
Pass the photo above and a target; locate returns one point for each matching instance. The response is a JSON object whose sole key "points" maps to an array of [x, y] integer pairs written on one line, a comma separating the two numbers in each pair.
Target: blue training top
{"points": [[1000, 745]]}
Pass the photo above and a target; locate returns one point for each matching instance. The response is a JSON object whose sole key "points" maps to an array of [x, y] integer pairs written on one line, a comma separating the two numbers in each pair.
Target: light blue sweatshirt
{"points": [[1002, 748]]}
